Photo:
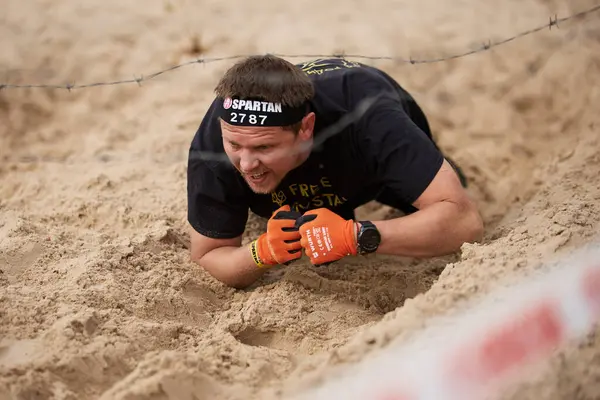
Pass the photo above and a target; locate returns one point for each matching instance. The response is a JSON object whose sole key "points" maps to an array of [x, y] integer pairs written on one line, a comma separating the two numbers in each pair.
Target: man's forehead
{"points": [[230, 131]]}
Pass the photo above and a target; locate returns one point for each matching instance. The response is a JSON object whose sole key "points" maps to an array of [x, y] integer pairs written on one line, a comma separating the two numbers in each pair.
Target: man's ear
{"points": [[307, 127]]}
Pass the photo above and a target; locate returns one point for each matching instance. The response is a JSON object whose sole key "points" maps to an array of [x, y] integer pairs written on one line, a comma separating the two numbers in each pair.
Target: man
{"points": [[304, 145]]}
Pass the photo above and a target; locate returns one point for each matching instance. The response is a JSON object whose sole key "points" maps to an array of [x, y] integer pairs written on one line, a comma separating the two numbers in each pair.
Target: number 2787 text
{"points": [[252, 118]]}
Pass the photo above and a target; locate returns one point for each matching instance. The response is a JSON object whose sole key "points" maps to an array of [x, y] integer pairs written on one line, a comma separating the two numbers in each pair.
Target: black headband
{"points": [[253, 112]]}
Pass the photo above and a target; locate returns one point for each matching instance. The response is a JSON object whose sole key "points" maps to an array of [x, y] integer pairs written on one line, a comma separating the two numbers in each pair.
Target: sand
{"points": [[98, 298]]}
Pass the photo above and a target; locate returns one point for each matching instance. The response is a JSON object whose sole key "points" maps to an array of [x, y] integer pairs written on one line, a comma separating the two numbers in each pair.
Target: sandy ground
{"points": [[98, 299]]}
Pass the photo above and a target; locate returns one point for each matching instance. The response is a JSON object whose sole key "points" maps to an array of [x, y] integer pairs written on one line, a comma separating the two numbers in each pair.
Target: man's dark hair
{"points": [[268, 78]]}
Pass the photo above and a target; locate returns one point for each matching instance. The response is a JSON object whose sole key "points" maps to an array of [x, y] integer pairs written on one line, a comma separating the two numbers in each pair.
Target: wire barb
{"points": [[553, 21]]}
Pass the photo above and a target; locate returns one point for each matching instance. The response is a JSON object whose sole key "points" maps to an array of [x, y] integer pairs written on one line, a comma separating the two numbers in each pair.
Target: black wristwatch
{"points": [[368, 238]]}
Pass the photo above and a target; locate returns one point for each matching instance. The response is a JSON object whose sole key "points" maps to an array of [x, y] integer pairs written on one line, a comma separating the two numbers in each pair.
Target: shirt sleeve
{"points": [[216, 207], [401, 155]]}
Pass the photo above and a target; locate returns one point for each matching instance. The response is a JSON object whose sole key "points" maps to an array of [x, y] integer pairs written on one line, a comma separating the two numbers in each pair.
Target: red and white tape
{"points": [[472, 354]]}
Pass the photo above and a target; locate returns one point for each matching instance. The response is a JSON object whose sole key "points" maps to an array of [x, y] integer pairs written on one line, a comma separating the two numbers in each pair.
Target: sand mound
{"points": [[98, 299]]}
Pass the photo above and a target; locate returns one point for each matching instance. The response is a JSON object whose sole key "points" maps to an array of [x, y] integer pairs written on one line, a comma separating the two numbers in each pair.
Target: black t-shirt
{"points": [[389, 147]]}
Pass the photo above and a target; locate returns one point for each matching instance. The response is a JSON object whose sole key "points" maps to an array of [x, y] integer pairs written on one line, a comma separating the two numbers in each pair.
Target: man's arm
{"points": [[225, 259], [446, 219]]}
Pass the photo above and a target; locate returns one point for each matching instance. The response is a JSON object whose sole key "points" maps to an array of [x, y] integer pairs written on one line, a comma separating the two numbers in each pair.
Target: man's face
{"points": [[264, 155]]}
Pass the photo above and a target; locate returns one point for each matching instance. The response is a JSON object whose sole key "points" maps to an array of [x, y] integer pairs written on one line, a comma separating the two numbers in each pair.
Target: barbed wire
{"points": [[361, 108], [553, 22]]}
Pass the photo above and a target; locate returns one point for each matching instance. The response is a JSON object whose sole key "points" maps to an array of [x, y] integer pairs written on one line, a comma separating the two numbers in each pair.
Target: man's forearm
{"points": [[232, 265], [437, 230]]}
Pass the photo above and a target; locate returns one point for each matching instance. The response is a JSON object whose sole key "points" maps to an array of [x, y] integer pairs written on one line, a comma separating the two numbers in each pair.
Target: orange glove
{"points": [[327, 237], [281, 243]]}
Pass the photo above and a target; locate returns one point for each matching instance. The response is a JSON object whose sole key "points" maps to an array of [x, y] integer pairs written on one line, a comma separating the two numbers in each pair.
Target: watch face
{"points": [[369, 239]]}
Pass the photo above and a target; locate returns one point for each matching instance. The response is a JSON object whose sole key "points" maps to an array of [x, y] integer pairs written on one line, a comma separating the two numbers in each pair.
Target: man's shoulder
{"points": [[331, 73], [334, 66], [343, 86], [207, 140], [320, 66]]}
